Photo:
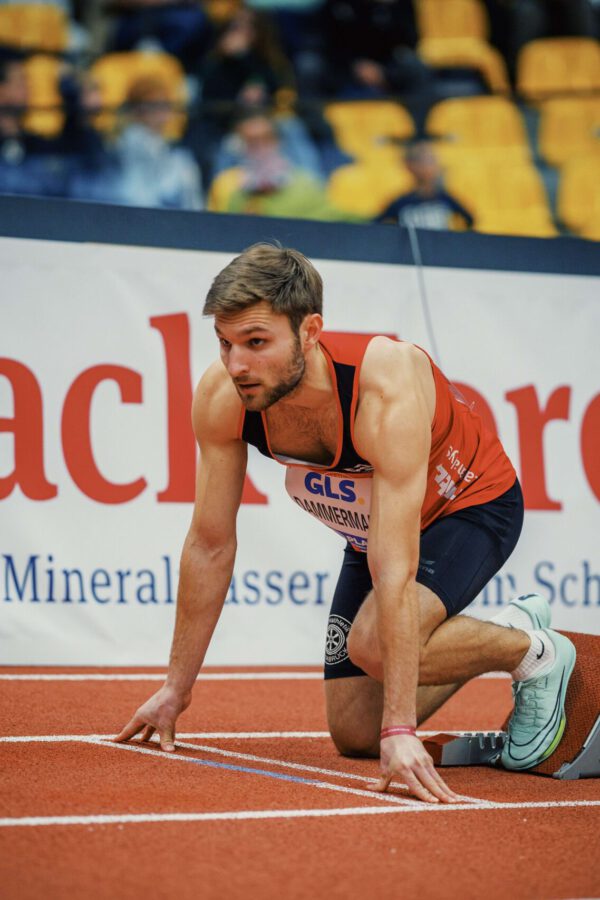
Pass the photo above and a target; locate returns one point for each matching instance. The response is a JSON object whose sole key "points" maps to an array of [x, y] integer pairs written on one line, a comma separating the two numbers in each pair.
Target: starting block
{"points": [[577, 755]]}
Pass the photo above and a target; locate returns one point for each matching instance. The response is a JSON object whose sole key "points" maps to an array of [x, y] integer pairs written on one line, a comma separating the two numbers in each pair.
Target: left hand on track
{"points": [[405, 756]]}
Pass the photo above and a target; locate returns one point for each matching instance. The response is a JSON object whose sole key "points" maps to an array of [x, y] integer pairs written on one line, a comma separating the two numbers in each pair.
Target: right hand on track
{"points": [[160, 714]]}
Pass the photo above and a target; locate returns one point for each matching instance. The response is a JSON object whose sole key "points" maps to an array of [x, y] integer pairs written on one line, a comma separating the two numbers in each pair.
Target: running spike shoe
{"points": [[538, 720], [536, 608]]}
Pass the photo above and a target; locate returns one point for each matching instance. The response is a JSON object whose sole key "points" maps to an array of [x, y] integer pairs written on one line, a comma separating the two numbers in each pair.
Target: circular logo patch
{"points": [[336, 650]]}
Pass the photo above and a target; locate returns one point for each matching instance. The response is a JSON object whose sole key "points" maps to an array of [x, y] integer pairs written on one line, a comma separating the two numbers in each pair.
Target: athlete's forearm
{"points": [[205, 575], [398, 631]]}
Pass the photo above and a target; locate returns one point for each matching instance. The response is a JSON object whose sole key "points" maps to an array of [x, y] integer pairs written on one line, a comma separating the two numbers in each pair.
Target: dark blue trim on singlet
{"points": [[73, 220], [253, 430]]}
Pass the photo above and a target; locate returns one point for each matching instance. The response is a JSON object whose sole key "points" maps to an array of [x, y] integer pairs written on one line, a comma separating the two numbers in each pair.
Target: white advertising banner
{"points": [[100, 347]]}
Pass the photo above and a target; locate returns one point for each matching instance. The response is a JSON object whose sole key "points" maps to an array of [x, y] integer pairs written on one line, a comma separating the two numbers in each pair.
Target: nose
{"points": [[237, 364]]}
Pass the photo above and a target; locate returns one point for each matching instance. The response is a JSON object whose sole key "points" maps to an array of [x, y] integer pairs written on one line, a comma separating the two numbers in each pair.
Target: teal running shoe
{"points": [[536, 608], [538, 721]]}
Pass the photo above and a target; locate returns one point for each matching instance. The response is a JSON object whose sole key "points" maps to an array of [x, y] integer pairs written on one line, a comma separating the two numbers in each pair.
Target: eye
{"points": [[256, 342], [225, 344]]}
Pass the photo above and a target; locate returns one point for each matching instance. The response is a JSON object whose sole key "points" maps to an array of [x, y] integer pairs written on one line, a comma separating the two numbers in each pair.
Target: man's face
{"points": [[13, 90], [259, 136], [261, 353]]}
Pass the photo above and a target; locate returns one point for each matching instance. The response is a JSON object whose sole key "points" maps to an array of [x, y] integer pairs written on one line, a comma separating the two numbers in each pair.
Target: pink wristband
{"points": [[397, 729]]}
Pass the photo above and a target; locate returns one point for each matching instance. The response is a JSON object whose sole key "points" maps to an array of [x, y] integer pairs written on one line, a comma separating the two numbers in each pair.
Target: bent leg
{"points": [[355, 706]]}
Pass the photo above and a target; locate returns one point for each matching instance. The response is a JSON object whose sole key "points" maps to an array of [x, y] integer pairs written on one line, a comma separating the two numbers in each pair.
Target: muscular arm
{"points": [[208, 554], [394, 431], [209, 549]]}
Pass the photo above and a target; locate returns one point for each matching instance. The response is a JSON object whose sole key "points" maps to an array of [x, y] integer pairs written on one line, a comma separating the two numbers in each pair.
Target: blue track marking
{"points": [[232, 768]]}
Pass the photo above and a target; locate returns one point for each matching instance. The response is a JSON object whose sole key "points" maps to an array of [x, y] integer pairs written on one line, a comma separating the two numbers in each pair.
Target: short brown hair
{"points": [[283, 277]]}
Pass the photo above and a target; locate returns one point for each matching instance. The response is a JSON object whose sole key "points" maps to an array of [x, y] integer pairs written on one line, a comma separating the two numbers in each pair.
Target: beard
{"points": [[289, 380]]}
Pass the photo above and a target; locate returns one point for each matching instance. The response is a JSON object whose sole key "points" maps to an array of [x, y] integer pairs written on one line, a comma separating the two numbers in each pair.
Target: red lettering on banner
{"points": [[75, 428], [175, 333], [532, 420], [590, 444], [480, 405], [27, 426]]}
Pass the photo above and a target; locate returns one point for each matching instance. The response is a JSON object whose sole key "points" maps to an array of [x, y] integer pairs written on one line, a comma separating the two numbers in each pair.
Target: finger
{"points": [[167, 739], [434, 784], [382, 784], [133, 726], [417, 788], [147, 733], [454, 797]]}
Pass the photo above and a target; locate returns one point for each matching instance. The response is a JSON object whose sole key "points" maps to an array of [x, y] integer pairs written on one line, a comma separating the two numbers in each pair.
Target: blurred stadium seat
{"points": [[578, 201], [361, 127], [116, 72], [491, 125], [34, 26], [452, 19], [471, 53], [367, 187], [504, 199], [558, 65], [43, 73], [569, 127]]}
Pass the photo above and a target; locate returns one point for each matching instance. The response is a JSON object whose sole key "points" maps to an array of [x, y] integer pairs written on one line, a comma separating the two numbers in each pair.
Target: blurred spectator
{"points": [[295, 144], [179, 27], [94, 171], [300, 27], [265, 182], [28, 164], [370, 54], [247, 65], [429, 205], [154, 171]]}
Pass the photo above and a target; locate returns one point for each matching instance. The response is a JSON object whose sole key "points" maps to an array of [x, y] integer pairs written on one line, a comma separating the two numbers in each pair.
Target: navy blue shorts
{"points": [[459, 554]]}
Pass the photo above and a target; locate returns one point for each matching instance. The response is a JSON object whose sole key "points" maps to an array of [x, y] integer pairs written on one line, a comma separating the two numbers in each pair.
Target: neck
{"points": [[316, 389]]}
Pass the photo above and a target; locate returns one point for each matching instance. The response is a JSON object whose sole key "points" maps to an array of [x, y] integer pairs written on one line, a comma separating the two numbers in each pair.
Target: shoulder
{"points": [[392, 365], [216, 407]]}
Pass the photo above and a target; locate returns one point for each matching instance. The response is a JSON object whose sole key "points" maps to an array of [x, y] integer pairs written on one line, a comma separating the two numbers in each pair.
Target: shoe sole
{"points": [[537, 621], [567, 672]]}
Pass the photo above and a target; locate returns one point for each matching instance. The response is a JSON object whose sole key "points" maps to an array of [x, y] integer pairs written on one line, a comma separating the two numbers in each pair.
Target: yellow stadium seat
{"points": [[452, 19], [533, 222], [361, 127], [578, 199], [470, 53], [365, 188], [34, 26], [502, 196], [558, 65], [490, 126], [43, 74], [591, 230], [223, 186], [569, 127], [116, 72]]}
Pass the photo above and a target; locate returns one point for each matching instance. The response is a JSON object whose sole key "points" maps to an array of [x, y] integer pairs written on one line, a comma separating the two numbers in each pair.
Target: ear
{"points": [[310, 331]]}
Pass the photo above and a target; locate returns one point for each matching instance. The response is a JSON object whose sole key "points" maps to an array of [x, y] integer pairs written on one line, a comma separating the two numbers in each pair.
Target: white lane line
{"points": [[303, 768], [203, 735], [321, 785], [153, 676], [35, 821], [203, 676]]}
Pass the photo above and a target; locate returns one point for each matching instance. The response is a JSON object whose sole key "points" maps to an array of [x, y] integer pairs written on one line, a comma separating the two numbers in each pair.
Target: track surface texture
{"points": [[257, 802]]}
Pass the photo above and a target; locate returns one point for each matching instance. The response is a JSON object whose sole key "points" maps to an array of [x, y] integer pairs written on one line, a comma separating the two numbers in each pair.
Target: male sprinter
{"points": [[425, 497]]}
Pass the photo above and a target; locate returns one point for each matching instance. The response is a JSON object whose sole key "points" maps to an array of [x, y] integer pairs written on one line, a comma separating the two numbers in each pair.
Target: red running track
{"points": [[297, 824]]}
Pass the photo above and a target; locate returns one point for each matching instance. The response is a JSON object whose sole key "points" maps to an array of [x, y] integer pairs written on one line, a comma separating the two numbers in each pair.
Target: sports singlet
{"points": [[467, 464]]}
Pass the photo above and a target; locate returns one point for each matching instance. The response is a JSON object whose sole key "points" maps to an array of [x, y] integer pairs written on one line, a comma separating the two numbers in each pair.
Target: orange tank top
{"points": [[467, 463]]}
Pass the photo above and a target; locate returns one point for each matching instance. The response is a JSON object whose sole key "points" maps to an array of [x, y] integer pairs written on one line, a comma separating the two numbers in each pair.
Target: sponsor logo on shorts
{"points": [[325, 486], [336, 644]]}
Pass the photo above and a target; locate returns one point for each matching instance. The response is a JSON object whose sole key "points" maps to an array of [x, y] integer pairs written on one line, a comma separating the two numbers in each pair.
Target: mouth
{"points": [[247, 386]]}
